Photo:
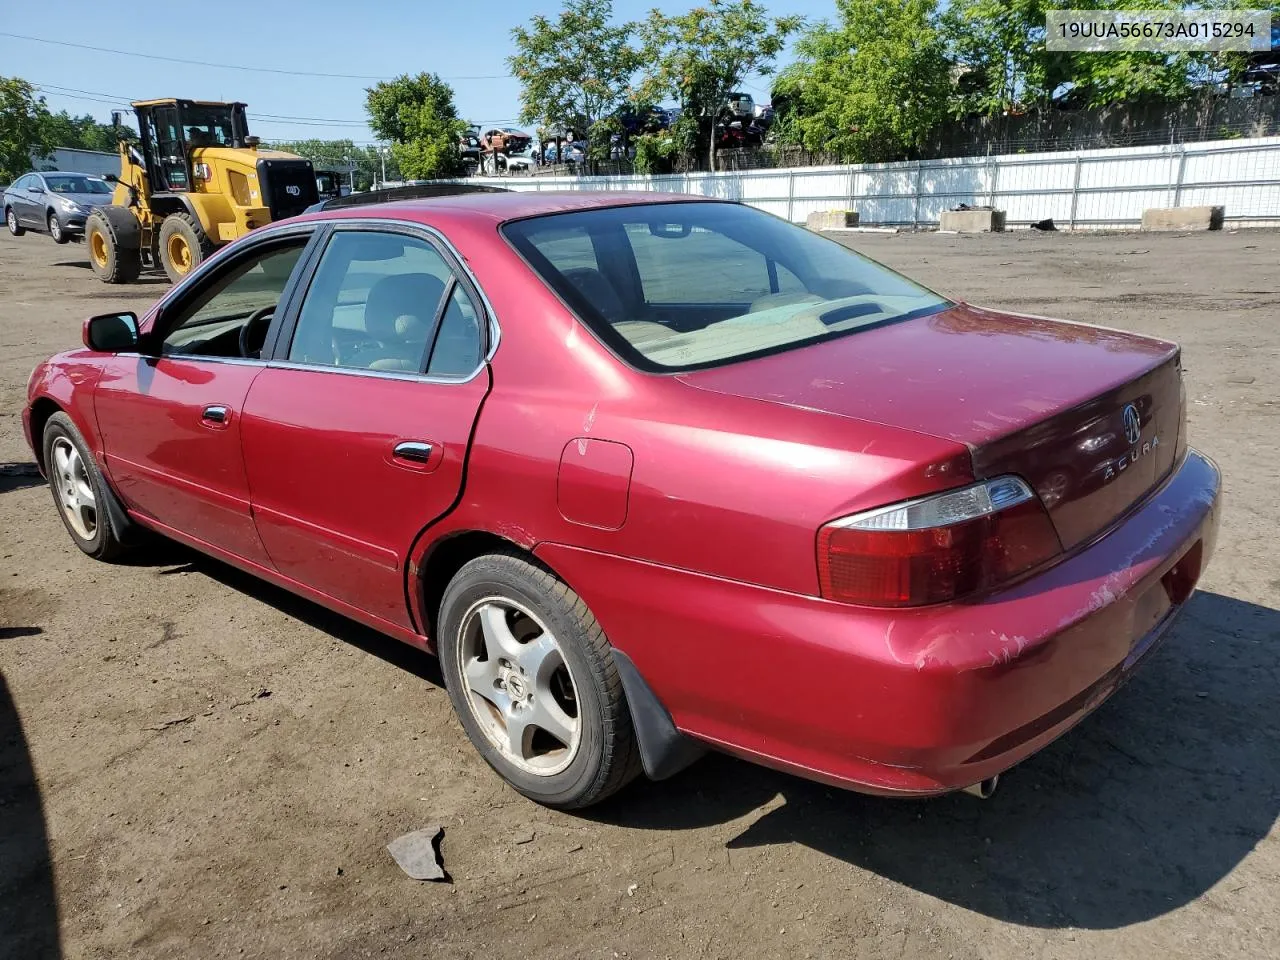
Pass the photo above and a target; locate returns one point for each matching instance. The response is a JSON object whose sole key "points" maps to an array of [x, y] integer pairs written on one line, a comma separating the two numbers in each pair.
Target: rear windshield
{"points": [[681, 286], [77, 185]]}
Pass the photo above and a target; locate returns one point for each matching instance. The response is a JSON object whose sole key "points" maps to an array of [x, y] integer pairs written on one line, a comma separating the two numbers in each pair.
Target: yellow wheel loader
{"points": [[195, 180]]}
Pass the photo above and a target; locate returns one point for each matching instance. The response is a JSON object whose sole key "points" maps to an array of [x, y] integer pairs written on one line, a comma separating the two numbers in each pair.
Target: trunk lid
{"points": [[1090, 417]]}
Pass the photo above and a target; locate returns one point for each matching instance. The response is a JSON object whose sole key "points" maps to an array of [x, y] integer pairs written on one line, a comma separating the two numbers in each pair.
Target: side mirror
{"points": [[110, 178], [111, 332]]}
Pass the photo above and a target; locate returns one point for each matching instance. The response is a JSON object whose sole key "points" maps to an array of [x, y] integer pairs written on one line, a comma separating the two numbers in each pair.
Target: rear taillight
{"points": [[937, 548]]}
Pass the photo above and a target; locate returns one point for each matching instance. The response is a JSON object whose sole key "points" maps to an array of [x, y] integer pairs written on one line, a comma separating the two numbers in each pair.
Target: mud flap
{"points": [[664, 750]]}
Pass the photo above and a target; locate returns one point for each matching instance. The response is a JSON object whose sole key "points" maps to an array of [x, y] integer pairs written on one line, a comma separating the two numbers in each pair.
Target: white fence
{"points": [[1087, 189]]}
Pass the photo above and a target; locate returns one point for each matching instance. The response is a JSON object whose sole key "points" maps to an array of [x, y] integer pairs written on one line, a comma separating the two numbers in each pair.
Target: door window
{"points": [[457, 348], [246, 293], [374, 303]]}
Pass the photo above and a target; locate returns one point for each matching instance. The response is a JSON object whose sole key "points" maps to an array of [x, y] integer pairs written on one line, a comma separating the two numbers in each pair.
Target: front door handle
{"points": [[215, 413], [415, 451]]}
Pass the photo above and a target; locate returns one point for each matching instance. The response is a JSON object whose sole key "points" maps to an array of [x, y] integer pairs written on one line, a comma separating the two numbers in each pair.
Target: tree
{"points": [[417, 114], [83, 133], [701, 56], [872, 86], [22, 129], [999, 49], [575, 71]]}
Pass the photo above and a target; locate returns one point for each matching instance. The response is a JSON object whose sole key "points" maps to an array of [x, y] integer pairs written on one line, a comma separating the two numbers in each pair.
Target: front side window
{"points": [[684, 285], [211, 322], [383, 301]]}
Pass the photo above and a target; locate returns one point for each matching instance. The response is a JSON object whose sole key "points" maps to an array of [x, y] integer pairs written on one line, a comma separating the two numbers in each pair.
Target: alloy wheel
{"points": [[519, 687], [70, 479]]}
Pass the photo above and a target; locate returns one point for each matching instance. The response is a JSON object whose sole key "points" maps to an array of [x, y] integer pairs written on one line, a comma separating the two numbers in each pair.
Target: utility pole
{"points": [[383, 157]]}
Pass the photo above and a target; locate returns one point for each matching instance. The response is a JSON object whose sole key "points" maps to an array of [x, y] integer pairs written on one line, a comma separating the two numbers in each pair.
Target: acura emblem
{"points": [[1132, 424]]}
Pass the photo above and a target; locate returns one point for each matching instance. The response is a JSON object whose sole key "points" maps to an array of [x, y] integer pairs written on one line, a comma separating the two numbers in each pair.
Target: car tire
{"points": [[560, 672], [111, 234], [183, 245], [11, 219], [55, 229], [79, 491]]}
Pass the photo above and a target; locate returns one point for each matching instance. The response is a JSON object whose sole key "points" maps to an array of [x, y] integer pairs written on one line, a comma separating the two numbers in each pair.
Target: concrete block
{"points": [[972, 221], [1183, 218], [831, 219]]}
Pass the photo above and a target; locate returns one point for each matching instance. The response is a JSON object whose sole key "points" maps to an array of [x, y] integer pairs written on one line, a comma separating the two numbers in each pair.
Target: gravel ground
{"points": [[195, 764]]}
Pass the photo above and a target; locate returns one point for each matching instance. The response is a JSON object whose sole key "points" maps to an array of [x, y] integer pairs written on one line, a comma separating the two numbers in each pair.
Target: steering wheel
{"points": [[248, 348]]}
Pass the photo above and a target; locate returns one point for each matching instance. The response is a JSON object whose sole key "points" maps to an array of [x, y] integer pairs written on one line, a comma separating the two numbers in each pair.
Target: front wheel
{"points": [[79, 491], [11, 219], [55, 229], [112, 236], [532, 679]]}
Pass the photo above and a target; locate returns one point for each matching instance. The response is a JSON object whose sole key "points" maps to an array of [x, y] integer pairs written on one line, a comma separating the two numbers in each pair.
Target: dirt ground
{"points": [[194, 764]]}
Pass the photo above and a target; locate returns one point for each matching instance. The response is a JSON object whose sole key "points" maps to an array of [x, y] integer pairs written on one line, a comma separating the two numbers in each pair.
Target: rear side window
{"points": [[383, 301], [687, 285]]}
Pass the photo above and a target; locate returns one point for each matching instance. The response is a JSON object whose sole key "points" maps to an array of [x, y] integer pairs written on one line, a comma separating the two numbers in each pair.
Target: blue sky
{"points": [[465, 41]]}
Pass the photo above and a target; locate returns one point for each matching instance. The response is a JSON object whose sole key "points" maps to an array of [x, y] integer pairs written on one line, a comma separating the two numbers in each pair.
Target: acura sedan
{"points": [[54, 203], [652, 475]]}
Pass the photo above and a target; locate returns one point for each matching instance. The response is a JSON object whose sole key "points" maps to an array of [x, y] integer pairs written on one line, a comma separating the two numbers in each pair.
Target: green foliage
{"points": [[84, 133], [871, 87], [656, 152], [574, 71], [701, 56], [22, 130], [418, 115], [998, 47]]}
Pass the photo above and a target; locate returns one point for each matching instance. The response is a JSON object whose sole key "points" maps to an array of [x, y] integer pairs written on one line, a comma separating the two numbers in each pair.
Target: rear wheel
{"points": [[532, 678], [183, 245], [55, 229], [108, 233], [79, 490], [11, 218]]}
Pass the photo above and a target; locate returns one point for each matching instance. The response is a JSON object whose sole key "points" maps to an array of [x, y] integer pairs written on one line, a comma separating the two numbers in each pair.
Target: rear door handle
{"points": [[415, 451], [215, 413]]}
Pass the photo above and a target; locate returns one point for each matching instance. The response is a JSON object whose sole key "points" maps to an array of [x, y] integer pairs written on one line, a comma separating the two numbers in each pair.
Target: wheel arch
{"points": [[444, 558], [41, 410]]}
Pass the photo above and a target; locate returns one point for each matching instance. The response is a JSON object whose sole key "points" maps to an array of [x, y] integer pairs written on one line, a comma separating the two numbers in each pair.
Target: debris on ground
{"points": [[1046, 224], [176, 721], [417, 854], [524, 837]]}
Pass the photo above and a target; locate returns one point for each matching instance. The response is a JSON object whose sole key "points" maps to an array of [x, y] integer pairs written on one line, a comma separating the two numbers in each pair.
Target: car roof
{"points": [[503, 207]]}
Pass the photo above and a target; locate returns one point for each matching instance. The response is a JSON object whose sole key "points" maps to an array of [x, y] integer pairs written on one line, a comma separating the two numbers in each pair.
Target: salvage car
{"points": [[653, 474], [54, 203]]}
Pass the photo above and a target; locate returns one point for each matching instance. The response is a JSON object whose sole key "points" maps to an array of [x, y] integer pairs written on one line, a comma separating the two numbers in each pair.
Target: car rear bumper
{"points": [[909, 702]]}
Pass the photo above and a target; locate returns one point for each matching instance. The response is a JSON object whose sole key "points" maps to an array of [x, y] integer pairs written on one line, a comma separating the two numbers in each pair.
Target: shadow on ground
{"points": [[146, 277], [171, 558], [1138, 811], [28, 910], [19, 476]]}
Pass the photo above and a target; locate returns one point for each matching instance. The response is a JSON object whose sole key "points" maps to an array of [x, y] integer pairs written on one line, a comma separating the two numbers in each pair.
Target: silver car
{"points": [[55, 203]]}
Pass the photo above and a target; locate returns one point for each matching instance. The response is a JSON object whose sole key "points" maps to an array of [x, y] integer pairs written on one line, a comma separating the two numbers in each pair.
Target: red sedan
{"points": [[651, 474]]}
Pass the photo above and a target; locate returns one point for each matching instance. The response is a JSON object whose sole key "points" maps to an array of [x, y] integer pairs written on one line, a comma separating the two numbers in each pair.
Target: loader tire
{"points": [[183, 245], [112, 235]]}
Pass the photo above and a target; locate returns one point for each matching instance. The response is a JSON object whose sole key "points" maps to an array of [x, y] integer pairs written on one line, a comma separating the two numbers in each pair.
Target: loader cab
{"points": [[170, 129]]}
